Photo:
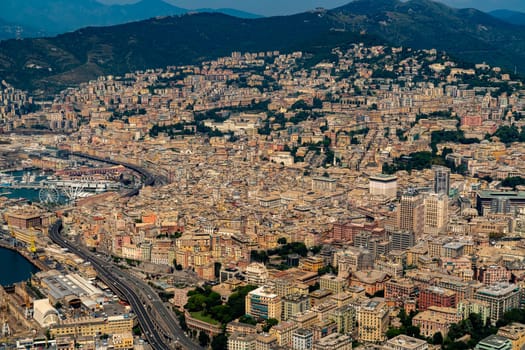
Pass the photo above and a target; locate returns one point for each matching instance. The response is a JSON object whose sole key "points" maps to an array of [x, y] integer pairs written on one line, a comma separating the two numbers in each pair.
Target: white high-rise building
{"points": [[411, 212], [436, 213]]}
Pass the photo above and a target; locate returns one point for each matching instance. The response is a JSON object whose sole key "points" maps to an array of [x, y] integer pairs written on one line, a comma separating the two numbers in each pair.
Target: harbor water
{"points": [[15, 267]]}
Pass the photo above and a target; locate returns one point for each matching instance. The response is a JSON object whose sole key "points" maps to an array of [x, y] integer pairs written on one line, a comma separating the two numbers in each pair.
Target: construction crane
{"points": [[28, 311], [6, 331], [32, 246]]}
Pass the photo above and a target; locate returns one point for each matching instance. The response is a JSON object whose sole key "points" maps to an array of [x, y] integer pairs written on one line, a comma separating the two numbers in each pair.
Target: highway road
{"points": [[157, 322], [149, 178]]}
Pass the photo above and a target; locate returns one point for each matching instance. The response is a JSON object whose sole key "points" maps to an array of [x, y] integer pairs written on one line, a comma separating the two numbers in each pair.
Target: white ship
{"points": [[28, 178], [6, 180]]}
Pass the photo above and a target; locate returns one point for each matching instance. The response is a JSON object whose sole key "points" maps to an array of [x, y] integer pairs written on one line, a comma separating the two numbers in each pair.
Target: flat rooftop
{"points": [[383, 178], [498, 289], [487, 194]]}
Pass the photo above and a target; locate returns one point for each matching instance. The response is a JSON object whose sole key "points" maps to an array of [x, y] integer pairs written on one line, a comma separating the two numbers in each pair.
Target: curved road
{"points": [[157, 322], [149, 178]]}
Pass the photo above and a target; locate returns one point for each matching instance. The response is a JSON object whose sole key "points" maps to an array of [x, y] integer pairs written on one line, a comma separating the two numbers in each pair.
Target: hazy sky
{"points": [[281, 7]]}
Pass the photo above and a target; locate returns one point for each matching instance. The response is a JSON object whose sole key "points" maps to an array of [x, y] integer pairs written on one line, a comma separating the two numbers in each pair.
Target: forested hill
{"points": [[64, 60]]}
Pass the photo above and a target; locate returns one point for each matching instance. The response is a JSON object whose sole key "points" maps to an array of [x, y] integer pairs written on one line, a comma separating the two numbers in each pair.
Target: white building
{"points": [[302, 339], [256, 274], [44, 313], [383, 185]]}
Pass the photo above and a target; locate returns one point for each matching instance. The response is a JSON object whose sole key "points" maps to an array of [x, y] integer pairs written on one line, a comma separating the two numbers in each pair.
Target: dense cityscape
{"points": [[269, 200]]}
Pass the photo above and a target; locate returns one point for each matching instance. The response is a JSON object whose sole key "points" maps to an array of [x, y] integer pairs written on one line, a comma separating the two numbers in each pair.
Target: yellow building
{"points": [[240, 341], [91, 326], [334, 341], [334, 283], [344, 298], [436, 213], [311, 263], [516, 333], [265, 341], [414, 253], [238, 327], [344, 317], [119, 324], [123, 341], [27, 236], [305, 319], [85, 326], [263, 303], [372, 321], [430, 324], [283, 333], [293, 304]]}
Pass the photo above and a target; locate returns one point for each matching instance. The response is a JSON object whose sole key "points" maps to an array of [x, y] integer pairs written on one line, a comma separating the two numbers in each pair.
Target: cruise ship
{"points": [[6, 180]]}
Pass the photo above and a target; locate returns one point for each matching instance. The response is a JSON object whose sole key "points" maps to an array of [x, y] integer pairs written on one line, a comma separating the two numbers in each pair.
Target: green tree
{"points": [[182, 322], [413, 331], [455, 331], [269, 324], [236, 301], [247, 319], [196, 302], [393, 332], [137, 331], [315, 287], [204, 338], [400, 133], [281, 240], [221, 313], [300, 104], [514, 315], [513, 182], [508, 134], [327, 269], [476, 321], [219, 342], [437, 339]]}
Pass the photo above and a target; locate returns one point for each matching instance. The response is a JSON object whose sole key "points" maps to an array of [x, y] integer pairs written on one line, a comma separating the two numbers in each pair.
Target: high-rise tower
{"points": [[441, 179], [411, 212]]}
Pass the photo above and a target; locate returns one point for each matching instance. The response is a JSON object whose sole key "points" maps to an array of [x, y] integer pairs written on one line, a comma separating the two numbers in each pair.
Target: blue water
{"points": [[26, 193], [31, 195], [15, 268]]}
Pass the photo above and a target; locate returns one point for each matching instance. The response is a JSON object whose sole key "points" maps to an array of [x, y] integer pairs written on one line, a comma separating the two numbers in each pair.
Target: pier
{"points": [[91, 186]]}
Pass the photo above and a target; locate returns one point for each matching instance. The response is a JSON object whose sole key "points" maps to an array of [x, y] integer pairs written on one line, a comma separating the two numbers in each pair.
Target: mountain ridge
{"points": [[60, 16], [71, 58], [513, 17], [424, 23], [9, 30], [230, 12]]}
